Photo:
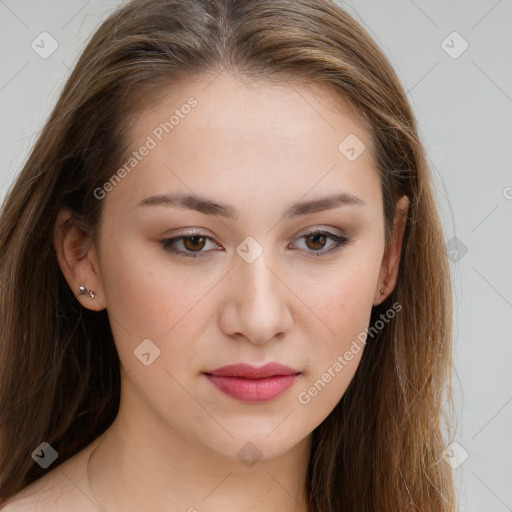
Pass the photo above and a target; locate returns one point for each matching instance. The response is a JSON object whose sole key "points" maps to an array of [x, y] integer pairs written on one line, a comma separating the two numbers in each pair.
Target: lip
{"points": [[253, 384]]}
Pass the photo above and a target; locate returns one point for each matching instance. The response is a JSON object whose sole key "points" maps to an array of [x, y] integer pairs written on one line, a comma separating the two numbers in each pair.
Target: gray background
{"points": [[464, 109]]}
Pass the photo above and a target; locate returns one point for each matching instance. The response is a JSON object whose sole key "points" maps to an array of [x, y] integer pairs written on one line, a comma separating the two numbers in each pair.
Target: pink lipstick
{"points": [[253, 384]]}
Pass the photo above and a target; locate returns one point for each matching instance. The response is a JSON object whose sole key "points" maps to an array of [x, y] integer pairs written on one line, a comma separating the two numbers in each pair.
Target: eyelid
{"points": [[166, 243], [322, 229], [340, 240]]}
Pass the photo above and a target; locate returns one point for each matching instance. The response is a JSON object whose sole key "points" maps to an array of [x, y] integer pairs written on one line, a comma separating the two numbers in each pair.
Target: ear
{"points": [[78, 261], [391, 259]]}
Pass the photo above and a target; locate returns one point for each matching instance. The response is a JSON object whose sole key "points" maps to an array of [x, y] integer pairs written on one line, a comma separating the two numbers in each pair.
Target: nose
{"points": [[257, 307]]}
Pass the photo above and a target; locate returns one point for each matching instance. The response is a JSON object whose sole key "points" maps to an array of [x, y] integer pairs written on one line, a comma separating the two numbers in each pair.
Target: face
{"points": [[275, 258]]}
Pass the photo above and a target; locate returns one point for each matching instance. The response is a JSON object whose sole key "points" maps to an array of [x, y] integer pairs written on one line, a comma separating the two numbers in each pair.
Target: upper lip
{"points": [[253, 372]]}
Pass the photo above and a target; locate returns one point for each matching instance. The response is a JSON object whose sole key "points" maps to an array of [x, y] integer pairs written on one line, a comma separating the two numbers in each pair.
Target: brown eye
{"points": [[315, 242], [188, 246], [196, 243], [318, 241]]}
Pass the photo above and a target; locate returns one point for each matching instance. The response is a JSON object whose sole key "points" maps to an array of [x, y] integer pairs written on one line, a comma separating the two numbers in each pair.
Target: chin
{"points": [[249, 447]]}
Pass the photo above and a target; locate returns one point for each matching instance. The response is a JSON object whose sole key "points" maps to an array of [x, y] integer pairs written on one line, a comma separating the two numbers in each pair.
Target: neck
{"points": [[141, 465]]}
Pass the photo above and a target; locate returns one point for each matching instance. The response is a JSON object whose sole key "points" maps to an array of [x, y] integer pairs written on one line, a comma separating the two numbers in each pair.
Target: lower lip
{"points": [[253, 390]]}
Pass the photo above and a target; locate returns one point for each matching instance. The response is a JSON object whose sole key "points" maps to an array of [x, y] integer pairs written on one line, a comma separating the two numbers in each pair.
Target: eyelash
{"points": [[340, 242]]}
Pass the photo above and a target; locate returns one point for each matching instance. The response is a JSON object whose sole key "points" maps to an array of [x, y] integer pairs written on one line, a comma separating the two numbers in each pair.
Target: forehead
{"points": [[230, 137], [226, 102]]}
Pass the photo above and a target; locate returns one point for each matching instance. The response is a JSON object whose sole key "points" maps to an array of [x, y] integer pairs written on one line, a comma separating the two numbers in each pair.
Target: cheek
{"points": [[343, 297], [343, 303], [150, 298], [144, 291]]}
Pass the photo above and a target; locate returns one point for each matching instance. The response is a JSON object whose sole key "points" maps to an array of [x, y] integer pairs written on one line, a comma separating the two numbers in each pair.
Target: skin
{"points": [[260, 148]]}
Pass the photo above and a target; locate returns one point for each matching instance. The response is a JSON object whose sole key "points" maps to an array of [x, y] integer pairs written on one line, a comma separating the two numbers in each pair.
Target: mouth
{"points": [[253, 384]]}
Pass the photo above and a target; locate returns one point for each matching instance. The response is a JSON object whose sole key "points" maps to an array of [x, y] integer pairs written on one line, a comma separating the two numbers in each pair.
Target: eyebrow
{"points": [[210, 207]]}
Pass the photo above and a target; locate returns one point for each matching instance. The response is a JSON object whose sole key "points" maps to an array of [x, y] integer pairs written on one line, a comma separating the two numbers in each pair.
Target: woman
{"points": [[224, 284]]}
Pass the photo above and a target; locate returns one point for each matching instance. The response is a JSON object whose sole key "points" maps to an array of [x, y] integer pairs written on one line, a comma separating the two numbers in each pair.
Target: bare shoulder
{"points": [[63, 489]]}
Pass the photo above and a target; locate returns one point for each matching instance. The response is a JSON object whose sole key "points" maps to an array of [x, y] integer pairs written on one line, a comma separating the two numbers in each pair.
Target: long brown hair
{"points": [[381, 447]]}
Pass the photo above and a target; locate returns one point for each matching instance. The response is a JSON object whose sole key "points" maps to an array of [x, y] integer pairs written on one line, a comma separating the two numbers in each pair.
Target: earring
{"points": [[82, 290]]}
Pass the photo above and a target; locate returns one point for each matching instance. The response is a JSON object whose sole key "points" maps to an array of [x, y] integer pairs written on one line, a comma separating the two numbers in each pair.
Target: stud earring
{"points": [[83, 290], [382, 292]]}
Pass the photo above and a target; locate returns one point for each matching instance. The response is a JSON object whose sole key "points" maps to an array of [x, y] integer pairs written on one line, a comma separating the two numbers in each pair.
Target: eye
{"points": [[317, 239], [193, 243]]}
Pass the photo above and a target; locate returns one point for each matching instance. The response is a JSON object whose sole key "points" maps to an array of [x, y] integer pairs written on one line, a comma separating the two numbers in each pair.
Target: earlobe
{"points": [[391, 259], [76, 256]]}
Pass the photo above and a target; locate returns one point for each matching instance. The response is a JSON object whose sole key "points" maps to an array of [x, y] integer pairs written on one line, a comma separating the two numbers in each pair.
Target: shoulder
{"points": [[63, 489]]}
